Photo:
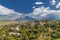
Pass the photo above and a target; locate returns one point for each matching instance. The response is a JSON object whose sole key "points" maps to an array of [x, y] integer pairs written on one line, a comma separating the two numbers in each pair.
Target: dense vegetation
{"points": [[37, 30]]}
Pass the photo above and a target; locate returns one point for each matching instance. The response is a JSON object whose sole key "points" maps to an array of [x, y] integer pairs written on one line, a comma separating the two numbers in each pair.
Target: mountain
{"points": [[25, 18], [22, 17]]}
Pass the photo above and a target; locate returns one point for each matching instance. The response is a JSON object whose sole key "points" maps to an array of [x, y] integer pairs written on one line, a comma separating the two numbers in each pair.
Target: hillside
{"points": [[34, 30]]}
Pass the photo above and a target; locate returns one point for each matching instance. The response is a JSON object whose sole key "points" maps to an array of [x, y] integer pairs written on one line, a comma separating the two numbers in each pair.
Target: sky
{"points": [[25, 6], [38, 9]]}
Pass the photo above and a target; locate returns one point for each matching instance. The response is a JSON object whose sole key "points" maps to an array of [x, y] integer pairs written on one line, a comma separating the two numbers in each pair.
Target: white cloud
{"points": [[4, 10], [38, 3], [58, 5], [33, 7], [38, 13], [10, 14], [53, 2], [45, 13]]}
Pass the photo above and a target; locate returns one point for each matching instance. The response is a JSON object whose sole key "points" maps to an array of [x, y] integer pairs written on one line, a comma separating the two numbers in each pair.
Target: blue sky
{"points": [[38, 9], [25, 6]]}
